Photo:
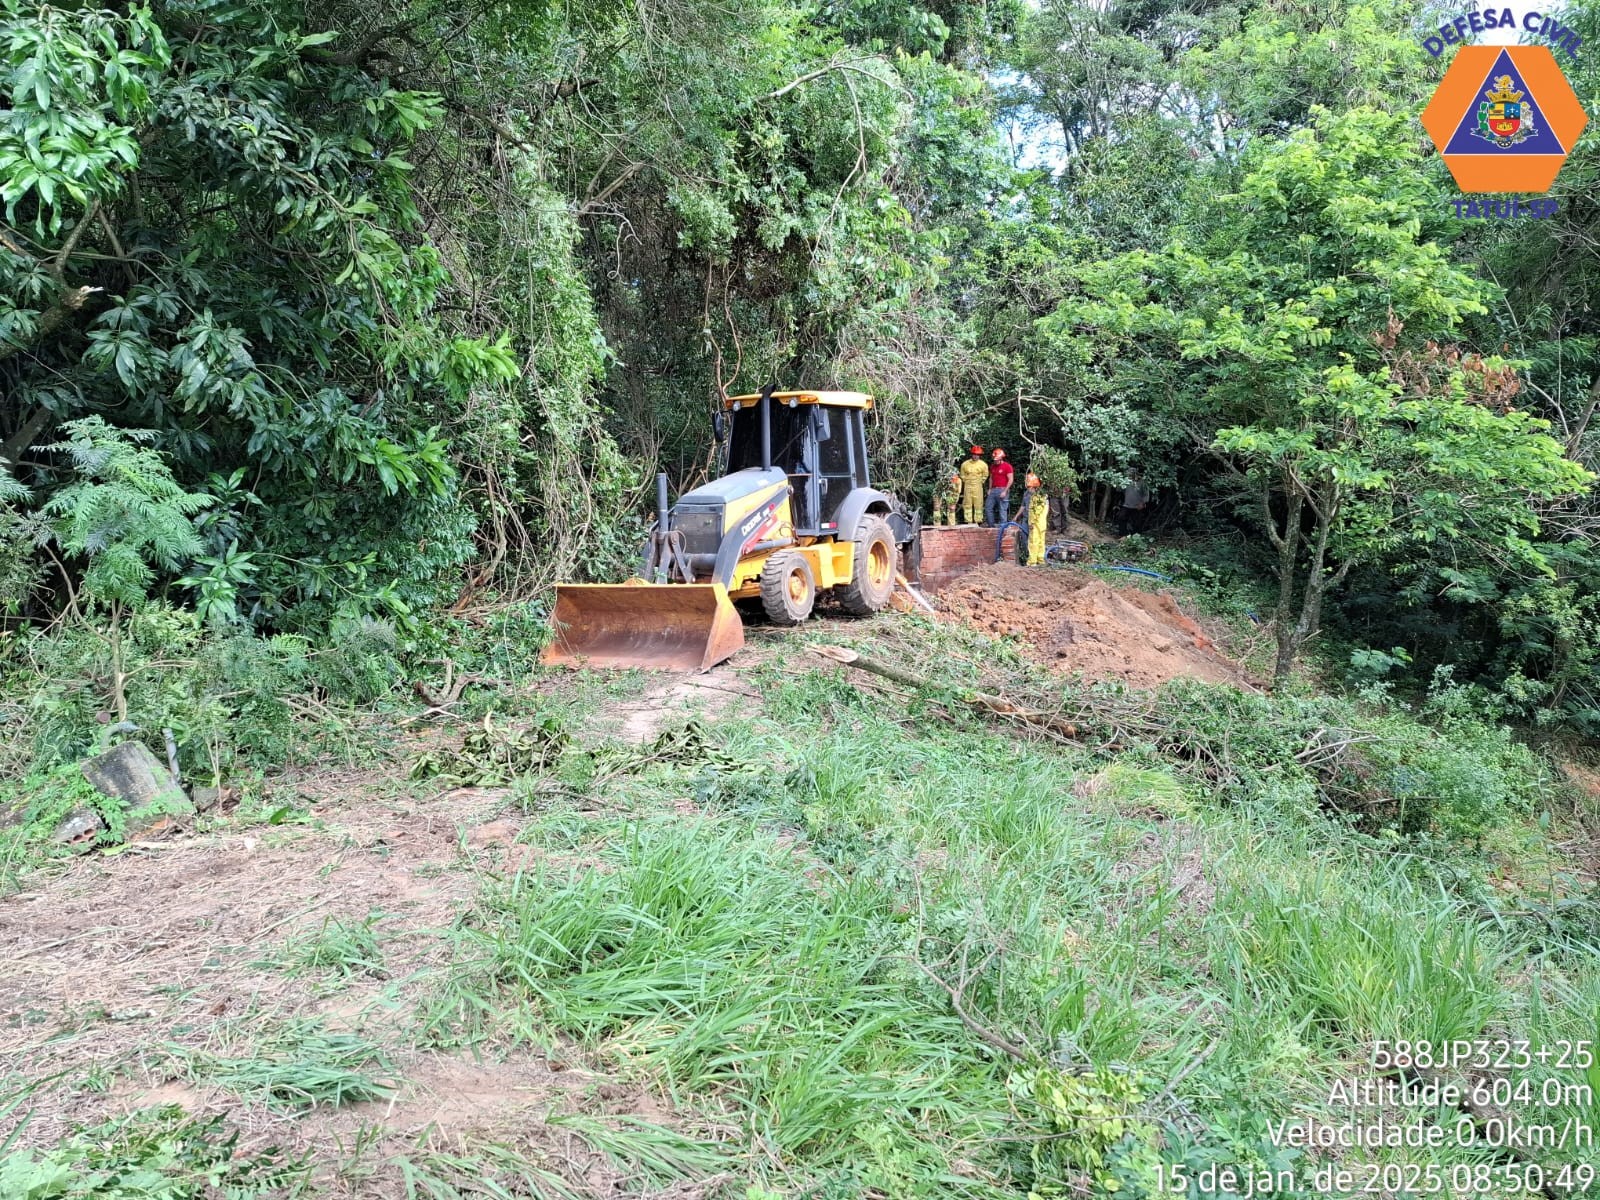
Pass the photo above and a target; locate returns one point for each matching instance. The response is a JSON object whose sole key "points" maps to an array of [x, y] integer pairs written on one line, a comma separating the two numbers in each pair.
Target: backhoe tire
{"points": [[788, 587], [872, 570]]}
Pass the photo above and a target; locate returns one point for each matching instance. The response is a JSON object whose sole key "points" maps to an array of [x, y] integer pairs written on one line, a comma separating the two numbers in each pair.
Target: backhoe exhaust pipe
{"points": [[766, 428], [660, 548]]}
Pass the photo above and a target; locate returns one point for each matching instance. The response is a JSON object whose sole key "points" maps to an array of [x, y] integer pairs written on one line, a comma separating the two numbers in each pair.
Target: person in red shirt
{"points": [[997, 504]]}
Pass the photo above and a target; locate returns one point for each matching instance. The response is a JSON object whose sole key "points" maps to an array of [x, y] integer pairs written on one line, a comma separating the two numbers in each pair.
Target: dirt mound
{"points": [[1075, 622], [1585, 779], [1082, 531]]}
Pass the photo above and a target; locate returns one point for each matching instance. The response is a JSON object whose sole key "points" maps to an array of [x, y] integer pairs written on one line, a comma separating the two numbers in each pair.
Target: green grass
{"points": [[783, 965], [645, 1150], [299, 1065], [710, 958], [487, 1172], [339, 949], [1387, 961], [854, 945]]}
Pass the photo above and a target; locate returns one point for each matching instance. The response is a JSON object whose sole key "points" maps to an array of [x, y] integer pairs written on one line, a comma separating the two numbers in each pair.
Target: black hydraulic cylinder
{"points": [[661, 502], [766, 428]]}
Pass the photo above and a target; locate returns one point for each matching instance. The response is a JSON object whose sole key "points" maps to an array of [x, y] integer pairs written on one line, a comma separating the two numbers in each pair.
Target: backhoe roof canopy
{"points": [[834, 399]]}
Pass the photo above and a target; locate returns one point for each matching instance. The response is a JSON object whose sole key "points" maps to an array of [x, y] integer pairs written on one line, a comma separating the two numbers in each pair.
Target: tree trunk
{"points": [[1283, 616], [1310, 620], [11, 450], [1575, 433], [1292, 639]]}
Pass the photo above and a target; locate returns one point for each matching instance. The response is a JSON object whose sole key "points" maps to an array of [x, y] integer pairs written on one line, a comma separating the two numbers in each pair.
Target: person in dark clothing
{"points": [[1135, 504], [1061, 509]]}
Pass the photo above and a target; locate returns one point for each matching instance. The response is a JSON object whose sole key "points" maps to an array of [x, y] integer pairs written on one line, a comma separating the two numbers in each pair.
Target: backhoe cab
{"points": [[794, 515]]}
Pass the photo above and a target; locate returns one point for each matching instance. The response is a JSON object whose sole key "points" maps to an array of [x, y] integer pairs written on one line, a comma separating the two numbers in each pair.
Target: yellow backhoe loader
{"points": [[794, 515]]}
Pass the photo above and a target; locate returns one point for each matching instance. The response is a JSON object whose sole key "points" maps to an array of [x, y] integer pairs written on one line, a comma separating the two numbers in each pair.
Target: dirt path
{"points": [[669, 698], [116, 967]]}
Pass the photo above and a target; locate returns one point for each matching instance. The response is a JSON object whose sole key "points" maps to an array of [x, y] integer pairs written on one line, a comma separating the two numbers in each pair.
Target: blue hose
{"points": [[1131, 571]]}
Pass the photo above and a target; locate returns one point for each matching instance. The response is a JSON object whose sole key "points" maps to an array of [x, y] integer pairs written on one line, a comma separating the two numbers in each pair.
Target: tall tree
{"points": [[1277, 330]]}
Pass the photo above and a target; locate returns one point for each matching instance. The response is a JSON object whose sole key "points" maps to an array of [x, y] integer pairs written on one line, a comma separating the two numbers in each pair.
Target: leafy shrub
{"points": [[1380, 766], [364, 667], [155, 1154], [1091, 1128], [1368, 665], [32, 812], [222, 696], [1054, 469], [1457, 783], [20, 535], [125, 514]]}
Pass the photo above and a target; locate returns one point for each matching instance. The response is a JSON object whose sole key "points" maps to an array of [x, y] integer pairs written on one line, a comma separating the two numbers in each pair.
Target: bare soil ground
{"points": [[114, 966], [1075, 622], [1083, 531], [1585, 779], [671, 698]]}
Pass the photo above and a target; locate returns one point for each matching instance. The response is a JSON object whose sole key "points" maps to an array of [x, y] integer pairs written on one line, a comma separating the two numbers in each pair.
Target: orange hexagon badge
{"points": [[1504, 118]]}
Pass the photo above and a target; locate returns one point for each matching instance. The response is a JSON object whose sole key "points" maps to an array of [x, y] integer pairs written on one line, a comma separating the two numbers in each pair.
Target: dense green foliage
{"points": [[410, 301]]}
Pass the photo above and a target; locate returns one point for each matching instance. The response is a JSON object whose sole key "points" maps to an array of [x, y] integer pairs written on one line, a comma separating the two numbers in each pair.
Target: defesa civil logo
{"points": [[1504, 118]]}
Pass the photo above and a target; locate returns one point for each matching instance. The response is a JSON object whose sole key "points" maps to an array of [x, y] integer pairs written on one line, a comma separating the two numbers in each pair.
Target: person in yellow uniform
{"points": [[946, 500], [1037, 505], [974, 482]]}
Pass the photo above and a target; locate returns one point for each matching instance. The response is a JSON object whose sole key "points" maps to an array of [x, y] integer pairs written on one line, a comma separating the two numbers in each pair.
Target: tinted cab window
{"points": [[788, 438]]}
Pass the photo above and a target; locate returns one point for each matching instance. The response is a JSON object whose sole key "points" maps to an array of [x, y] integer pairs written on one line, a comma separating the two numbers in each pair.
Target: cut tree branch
{"points": [[368, 49], [999, 705], [68, 299]]}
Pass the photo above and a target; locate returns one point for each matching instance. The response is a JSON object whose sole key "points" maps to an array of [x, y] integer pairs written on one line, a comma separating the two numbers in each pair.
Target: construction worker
{"points": [[1037, 505], [974, 481], [997, 508], [946, 500]]}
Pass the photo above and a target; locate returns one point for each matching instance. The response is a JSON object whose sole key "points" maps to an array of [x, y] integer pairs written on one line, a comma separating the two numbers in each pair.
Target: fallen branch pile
{"points": [[1196, 734]]}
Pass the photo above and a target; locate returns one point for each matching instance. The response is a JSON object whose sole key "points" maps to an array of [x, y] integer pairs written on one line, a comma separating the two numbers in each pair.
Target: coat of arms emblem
{"points": [[1502, 117]]}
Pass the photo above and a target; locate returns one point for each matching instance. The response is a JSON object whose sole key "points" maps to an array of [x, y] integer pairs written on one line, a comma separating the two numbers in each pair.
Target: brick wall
{"points": [[949, 552]]}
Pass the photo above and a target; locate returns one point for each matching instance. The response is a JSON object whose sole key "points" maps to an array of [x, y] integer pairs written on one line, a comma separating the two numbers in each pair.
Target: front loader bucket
{"points": [[661, 626]]}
